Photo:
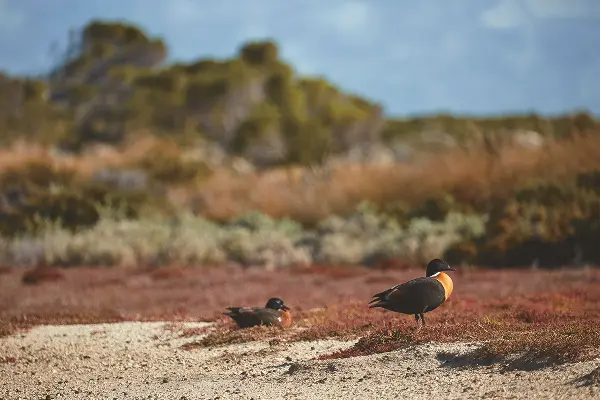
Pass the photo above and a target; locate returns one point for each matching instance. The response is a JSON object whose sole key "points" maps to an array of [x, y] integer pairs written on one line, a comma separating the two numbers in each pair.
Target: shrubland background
{"points": [[118, 159]]}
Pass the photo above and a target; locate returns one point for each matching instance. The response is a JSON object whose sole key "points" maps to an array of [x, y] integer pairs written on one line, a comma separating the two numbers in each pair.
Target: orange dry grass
{"points": [[308, 195], [97, 157], [472, 176]]}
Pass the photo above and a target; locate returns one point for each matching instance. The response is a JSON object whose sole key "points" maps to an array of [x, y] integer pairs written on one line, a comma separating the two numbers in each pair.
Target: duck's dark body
{"points": [[252, 316], [420, 295], [413, 297], [274, 313]]}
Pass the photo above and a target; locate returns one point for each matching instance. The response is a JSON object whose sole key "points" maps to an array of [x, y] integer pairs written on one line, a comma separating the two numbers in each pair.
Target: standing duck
{"points": [[419, 295], [274, 313]]}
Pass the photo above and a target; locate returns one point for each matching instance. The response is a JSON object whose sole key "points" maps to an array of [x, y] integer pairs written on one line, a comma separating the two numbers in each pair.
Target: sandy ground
{"points": [[141, 360]]}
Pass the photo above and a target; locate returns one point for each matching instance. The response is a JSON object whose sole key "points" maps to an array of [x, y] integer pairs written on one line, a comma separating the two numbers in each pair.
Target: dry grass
{"points": [[96, 157], [541, 314], [306, 195], [472, 176]]}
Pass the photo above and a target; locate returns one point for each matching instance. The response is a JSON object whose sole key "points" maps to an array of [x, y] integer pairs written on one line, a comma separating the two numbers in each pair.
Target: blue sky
{"points": [[463, 56]]}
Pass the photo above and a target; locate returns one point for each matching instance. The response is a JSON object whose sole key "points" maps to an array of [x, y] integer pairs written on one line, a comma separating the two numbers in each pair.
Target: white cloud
{"points": [[509, 15], [505, 14], [350, 17], [11, 18]]}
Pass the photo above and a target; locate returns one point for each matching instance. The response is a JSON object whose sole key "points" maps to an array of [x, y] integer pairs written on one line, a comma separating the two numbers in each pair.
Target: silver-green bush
{"points": [[363, 237]]}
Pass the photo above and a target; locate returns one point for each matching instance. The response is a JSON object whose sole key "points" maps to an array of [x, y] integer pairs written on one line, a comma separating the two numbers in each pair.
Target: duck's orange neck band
{"points": [[286, 318], [446, 283]]}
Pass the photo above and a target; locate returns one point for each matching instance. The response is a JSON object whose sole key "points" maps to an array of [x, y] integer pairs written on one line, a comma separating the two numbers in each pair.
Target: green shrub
{"points": [[257, 221], [38, 174], [38, 193], [552, 223], [165, 163], [436, 208], [363, 237], [259, 53], [464, 251], [369, 236]]}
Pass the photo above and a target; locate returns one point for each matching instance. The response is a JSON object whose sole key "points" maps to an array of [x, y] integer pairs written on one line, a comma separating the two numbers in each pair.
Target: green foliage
{"points": [[263, 119], [435, 208], [110, 85], [165, 163], [279, 85], [553, 223], [464, 128], [79, 94], [368, 236], [198, 67], [105, 125], [308, 142], [36, 174], [363, 237], [548, 221], [257, 221], [34, 91], [259, 53], [39, 193], [108, 32], [202, 91], [161, 82]]}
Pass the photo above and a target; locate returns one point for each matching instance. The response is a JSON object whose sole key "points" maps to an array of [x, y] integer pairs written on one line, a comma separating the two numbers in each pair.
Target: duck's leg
{"points": [[417, 319], [423, 319]]}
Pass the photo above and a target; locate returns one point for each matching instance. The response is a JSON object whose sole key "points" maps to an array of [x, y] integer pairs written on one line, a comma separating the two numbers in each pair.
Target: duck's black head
{"points": [[276, 304], [436, 266]]}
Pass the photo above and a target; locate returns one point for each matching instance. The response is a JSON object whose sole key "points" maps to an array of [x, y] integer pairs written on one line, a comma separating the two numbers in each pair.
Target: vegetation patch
{"points": [[235, 336], [522, 317], [42, 274], [543, 346]]}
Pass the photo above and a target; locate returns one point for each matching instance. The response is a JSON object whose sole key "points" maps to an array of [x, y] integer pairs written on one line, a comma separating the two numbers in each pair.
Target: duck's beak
{"points": [[284, 307], [451, 269]]}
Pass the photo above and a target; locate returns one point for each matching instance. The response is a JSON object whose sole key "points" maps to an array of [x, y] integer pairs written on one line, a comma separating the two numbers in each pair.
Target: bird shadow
{"points": [[476, 359], [450, 359], [590, 379]]}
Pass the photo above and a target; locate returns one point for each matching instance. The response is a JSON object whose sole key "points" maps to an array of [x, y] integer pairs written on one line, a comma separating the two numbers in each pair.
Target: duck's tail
{"points": [[381, 299]]}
